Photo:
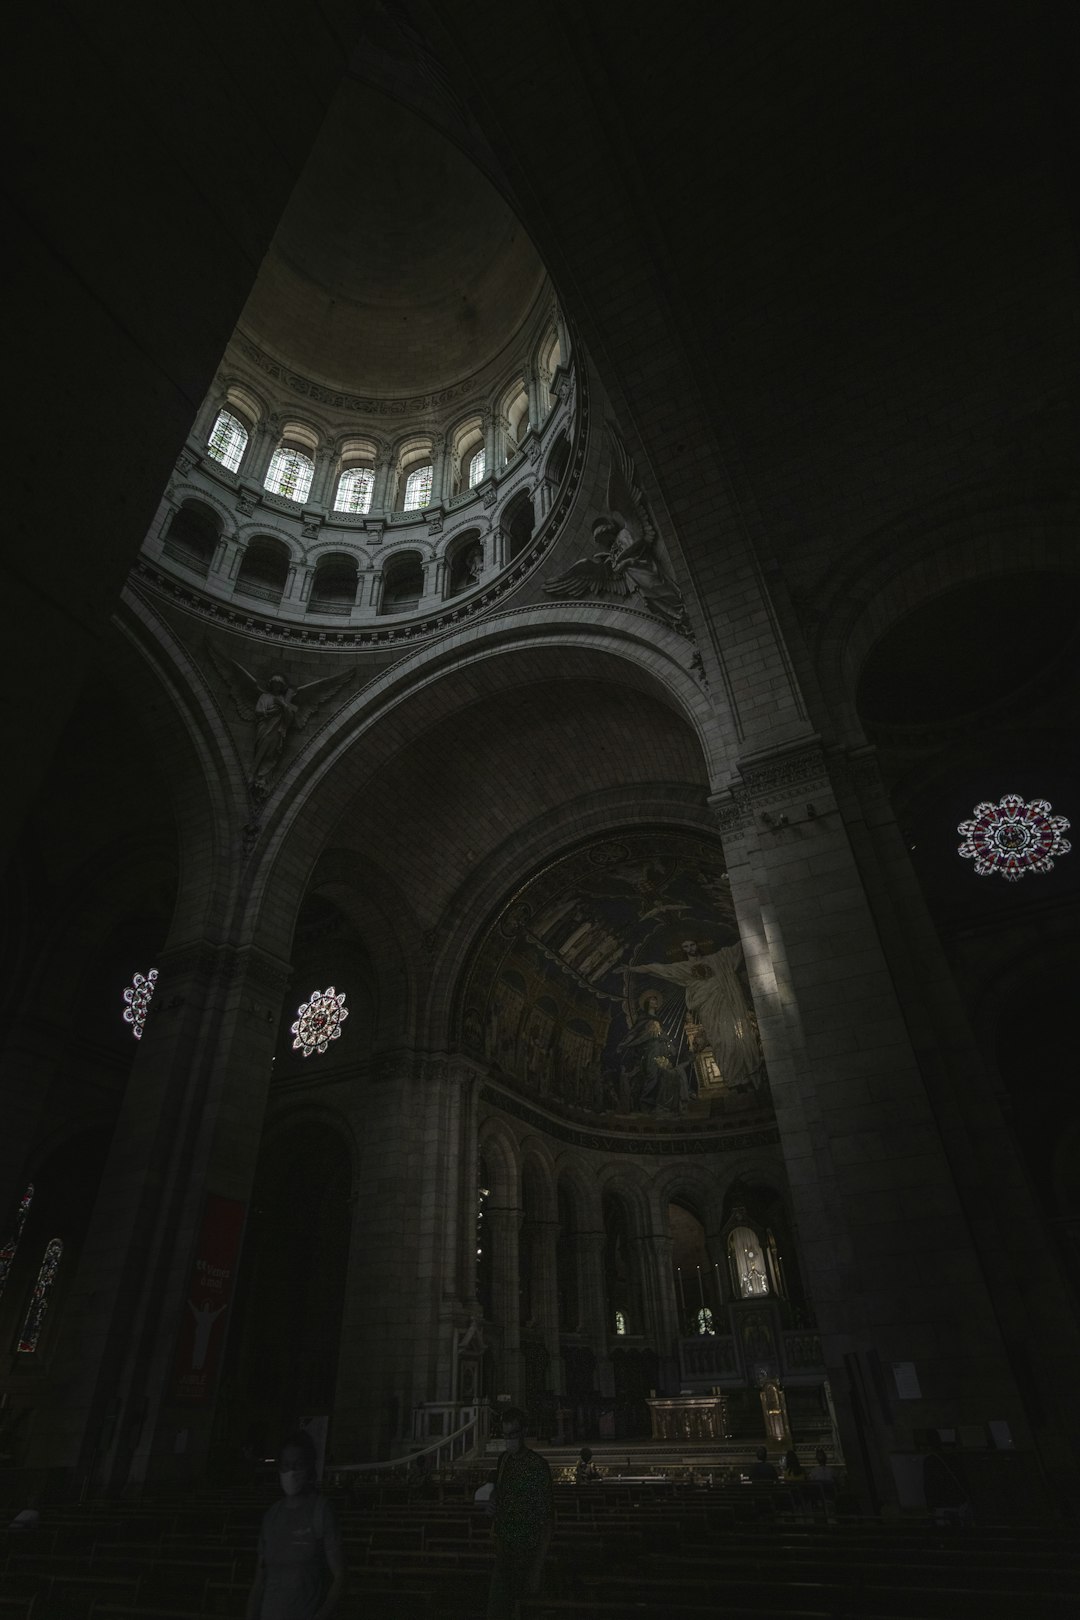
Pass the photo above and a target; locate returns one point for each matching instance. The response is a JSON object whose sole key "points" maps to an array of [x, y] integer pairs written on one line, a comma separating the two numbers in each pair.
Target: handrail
{"points": [[390, 1464]]}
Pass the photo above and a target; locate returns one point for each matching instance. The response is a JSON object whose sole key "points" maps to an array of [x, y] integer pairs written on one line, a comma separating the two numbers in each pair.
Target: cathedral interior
{"points": [[538, 811]]}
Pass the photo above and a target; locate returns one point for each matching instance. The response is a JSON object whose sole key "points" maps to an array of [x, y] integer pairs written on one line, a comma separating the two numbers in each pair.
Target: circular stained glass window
{"points": [[138, 996], [1013, 838], [319, 1021]]}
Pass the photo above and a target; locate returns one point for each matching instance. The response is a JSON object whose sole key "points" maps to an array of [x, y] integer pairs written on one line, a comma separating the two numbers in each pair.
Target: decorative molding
{"points": [[640, 1144]]}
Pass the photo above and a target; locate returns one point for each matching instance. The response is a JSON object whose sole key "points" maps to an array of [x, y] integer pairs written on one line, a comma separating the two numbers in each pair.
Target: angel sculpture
{"points": [[274, 709], [629, 566]]}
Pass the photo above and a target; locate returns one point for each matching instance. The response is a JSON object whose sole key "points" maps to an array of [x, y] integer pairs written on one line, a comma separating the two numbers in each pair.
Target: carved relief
{"points": [[628, 568]]}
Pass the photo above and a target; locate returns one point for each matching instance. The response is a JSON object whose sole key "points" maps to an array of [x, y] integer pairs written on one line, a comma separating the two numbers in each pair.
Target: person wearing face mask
{"points": [[301, 1569], [524, 1506]]}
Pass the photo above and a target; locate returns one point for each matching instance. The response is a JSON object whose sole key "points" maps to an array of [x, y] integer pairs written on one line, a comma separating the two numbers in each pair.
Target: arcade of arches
{"points": [[665, 583]]}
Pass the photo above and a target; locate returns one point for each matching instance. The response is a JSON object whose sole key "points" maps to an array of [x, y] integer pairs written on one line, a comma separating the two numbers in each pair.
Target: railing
{"points": [[441, 1455], [802, 1350], [707, 1357]]}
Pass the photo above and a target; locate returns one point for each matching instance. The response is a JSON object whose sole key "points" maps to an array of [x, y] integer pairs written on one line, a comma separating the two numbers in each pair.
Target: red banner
{"points": [[209, 1294]]}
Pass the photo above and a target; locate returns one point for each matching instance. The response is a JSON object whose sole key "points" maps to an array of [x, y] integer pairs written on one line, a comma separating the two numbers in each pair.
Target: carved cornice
{"points": [[648, 1144]]}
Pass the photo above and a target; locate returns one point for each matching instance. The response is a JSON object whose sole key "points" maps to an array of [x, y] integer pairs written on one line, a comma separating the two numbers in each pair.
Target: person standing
{"points": [[524, 1507], [301, 1568]]}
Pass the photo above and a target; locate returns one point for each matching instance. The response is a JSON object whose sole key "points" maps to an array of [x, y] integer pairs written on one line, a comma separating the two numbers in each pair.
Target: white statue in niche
{"points": [[715, 1000]]}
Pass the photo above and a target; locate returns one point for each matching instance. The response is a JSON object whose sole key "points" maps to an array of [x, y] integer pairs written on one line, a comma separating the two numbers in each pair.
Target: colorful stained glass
{"points": [[705, 1321], [418, 489], [7, 1253], [228, 441], [39, 1299], [290, 474], [319, 1021], [1013, 838], [354, 490], [476, 468], [138, 996]]}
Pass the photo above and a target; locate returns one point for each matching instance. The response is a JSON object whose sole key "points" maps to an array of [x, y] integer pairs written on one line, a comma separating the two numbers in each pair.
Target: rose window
{"points": [[1013, 838], [138, 996], [319, 1021]]}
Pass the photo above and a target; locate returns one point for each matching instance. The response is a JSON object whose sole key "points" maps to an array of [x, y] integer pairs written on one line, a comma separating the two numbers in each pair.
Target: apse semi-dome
{"points": [[395, 430]]}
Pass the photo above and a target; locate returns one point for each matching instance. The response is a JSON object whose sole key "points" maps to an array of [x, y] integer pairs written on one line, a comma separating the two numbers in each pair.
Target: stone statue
{"points": [[628, 566], [273, 710], [715, 1000]]}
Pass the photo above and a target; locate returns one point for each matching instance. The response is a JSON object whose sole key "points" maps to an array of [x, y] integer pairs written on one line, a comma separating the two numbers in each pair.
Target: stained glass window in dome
{"points": [[39, 1299], [418, 489], [477, 468], [354, 490], [7, 1253], [319, 1021], [290, 474], [228, 441], [137, 997], [1013, 838]]}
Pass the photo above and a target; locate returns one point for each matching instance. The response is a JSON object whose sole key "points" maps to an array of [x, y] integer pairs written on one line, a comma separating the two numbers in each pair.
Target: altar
{"points": [[689, 1417]]}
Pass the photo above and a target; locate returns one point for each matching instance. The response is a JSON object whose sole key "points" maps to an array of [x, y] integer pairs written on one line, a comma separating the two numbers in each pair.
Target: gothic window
{"points": [[744, 1246], [7, 1253], [620, 1322], [1012, 838], [354, 490], [138, 996], [290, 475], [477, 467], [418, 488], [39, 1299], [705, 1321], [319, 1021], [228, 441]]}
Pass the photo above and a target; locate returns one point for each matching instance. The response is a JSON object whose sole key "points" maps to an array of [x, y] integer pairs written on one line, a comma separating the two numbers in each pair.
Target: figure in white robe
{"points": [[715, 1000]]}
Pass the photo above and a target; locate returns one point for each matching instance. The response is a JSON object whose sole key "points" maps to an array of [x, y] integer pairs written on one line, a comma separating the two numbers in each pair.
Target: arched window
{"points": [[418, 488], [333, 589], [228, 441], [39, 1299], [354, 490], [264, 569], [7, 1253], [744, 1246], [620, 1321], [477, 467], [705, 1321], [290, 474], [403, 584]]}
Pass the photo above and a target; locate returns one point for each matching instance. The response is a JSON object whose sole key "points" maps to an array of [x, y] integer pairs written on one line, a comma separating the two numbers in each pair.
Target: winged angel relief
{"points": [[629, 567], [273, 708]]}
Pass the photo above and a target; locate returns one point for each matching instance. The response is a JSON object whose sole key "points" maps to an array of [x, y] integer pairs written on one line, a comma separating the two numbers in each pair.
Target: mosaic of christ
{"points": [[614, 983]]}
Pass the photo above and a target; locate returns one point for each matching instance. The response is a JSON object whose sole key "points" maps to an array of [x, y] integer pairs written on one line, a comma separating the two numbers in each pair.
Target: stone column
{"points": [[260, 450], [381, 492], [661, 1312], [502, 1224], [532, 388], [490, 443], [440, 464], [595, 1327], [322, 484], [432, 592], [189, 1126], [885, 1248], [544, 1235]]}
